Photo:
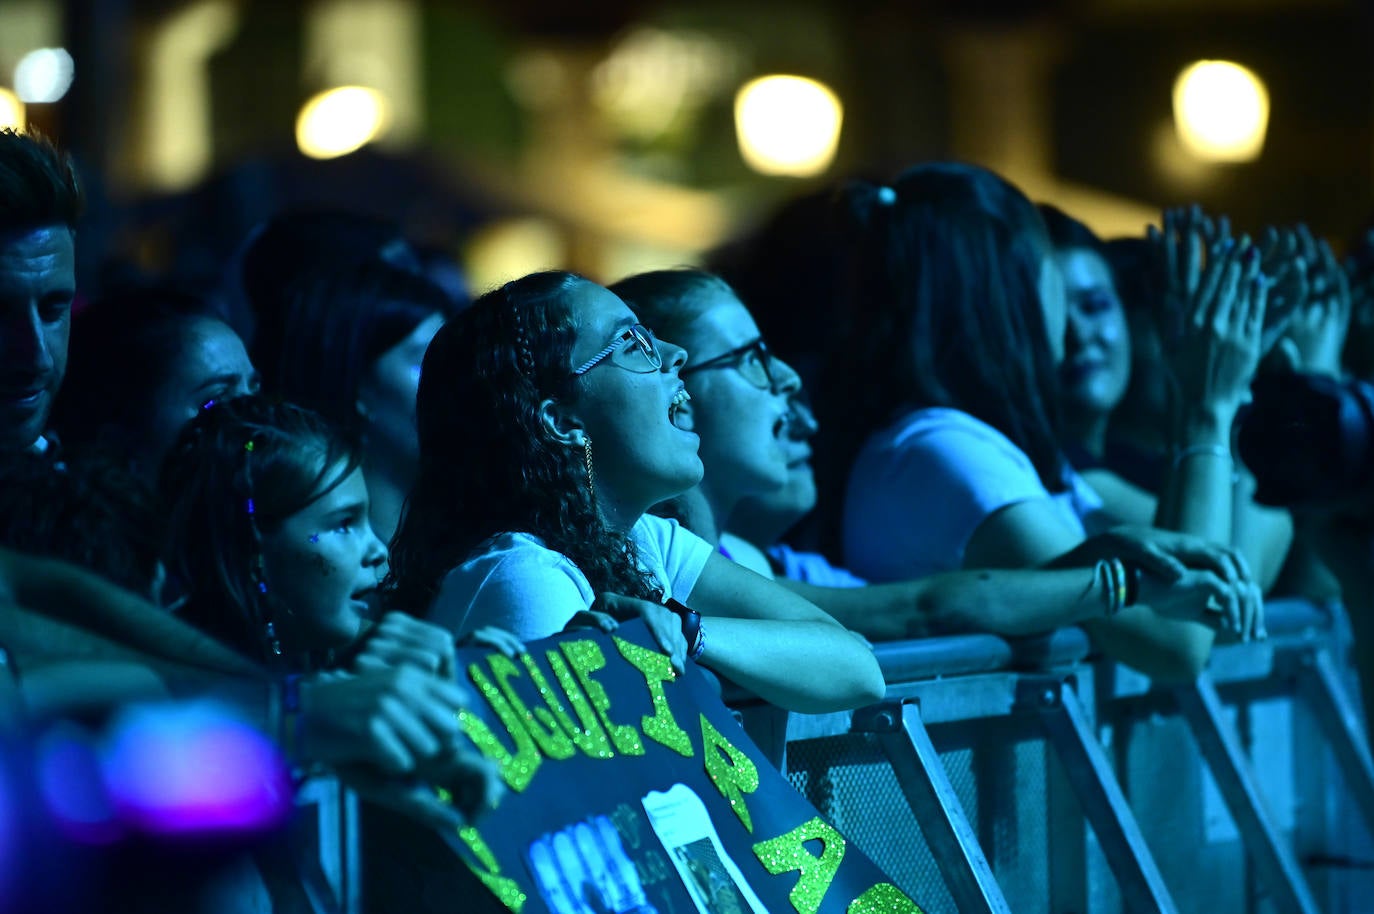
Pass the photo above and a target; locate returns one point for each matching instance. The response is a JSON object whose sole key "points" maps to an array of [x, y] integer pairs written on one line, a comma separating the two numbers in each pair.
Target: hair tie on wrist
{"points": [[1202, 450]]}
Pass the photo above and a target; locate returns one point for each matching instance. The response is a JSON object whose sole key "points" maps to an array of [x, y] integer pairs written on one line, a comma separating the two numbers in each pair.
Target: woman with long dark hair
{"points": [[549, 424], [1102, 353], [755, 441], [946, 400]]}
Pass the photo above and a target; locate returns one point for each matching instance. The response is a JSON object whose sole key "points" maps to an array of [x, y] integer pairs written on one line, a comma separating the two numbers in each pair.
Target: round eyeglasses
{"points": [[634, 349], [754, 362]]}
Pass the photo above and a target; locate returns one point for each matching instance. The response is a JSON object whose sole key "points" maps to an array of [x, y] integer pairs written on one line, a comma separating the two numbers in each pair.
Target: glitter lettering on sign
{"points": [[789, 852]]}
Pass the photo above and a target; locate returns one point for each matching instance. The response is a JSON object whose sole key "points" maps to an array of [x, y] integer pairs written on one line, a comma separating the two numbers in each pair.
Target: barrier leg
{"points": [[1104, 805], [935, 805], [1320, 685], [1275, 865]]}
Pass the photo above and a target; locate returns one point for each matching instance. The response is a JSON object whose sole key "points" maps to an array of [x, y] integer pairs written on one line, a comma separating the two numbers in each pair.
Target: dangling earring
{"points": [[587, 459]]}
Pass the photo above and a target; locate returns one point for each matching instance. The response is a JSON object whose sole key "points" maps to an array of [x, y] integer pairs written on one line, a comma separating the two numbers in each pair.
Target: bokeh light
{"points": [[11, 111], [44, 75], [1221, 111], [788, 125], [340, 121]]}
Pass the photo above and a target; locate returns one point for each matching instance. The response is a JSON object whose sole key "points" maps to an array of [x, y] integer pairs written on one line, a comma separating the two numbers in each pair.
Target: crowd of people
{"points": [[302, 495]]}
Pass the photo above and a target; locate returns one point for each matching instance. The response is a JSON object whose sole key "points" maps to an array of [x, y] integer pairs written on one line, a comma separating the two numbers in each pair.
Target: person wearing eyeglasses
{"points": [[740, 392], [748, 407], [550, 421]]}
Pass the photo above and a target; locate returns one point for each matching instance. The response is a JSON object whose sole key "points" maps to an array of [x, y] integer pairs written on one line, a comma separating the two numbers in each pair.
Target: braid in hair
{"points": [[257, 572], [524, 346]]}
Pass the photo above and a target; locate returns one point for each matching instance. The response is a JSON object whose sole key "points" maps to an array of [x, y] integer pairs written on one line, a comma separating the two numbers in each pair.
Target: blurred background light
{"points": [[510, 248], [788, 125], [340, 121], [11, 110], [1221, 111], [193, 768], [44, 75]]}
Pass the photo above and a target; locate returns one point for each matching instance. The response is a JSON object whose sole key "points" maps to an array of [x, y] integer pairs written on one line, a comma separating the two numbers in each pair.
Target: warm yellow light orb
{"points": [[340, 121], [11, 111], [1221, 111], [788, 125]]}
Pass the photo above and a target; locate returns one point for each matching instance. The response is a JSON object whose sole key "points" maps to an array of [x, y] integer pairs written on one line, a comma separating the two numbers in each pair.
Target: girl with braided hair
{"points": [[549, 422]]}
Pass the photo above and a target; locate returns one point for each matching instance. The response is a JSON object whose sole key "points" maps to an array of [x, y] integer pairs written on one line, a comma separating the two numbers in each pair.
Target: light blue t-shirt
{"points": [[517, 583], [920, 487], [810, 568]]}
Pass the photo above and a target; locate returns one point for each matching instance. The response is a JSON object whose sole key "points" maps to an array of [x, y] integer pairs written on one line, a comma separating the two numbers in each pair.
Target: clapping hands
{"points": [[1213, 309]]}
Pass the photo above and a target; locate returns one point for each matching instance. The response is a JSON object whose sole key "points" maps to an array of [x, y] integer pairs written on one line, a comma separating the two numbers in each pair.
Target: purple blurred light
{"points": [[67, 770], [194, 769]]}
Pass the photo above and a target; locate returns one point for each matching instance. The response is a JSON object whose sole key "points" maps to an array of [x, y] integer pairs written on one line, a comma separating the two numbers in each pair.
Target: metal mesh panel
{"points": [[848, 779], [1181, 814], [999, 775]]}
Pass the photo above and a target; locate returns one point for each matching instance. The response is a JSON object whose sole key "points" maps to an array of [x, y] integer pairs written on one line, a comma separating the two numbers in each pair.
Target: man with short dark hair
{"points": [[40, 202]]}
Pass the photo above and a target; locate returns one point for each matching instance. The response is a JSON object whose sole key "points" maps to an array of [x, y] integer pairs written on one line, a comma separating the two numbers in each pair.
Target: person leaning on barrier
{"points": [[748, 409], [946, 452], [534, 525]]}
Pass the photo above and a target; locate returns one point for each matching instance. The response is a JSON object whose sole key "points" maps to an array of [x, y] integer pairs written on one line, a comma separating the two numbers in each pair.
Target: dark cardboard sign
{"points": [[631, 789]]}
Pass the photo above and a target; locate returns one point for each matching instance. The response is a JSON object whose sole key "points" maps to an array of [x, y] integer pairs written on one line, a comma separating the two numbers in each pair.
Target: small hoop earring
{"points": [[587, 459]]}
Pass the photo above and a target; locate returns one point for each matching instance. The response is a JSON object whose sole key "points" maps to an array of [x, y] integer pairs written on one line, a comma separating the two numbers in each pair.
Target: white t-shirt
{"points": [[517, 583], [920, 487]]}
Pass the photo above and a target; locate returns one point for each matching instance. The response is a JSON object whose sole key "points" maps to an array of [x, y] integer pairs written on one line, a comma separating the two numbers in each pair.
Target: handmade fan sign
{"points": [[633, 789]]}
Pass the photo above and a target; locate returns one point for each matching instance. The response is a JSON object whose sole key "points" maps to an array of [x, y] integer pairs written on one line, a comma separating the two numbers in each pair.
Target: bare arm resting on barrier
{"points": [[768, 640], [1010, 603], [1025, 535]]}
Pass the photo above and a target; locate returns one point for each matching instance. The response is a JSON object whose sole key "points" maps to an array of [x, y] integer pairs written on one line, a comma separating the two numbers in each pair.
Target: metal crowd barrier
{"points": [[1030, 777]]}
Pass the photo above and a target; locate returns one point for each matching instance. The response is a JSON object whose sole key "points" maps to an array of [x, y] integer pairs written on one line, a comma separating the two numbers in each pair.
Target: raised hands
{"points": [[1214, 310], [1317, 328]]}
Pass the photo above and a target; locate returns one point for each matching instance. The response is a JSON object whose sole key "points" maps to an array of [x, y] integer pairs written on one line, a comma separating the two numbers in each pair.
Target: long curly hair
{"points": [[253, 450], [487, 465]]}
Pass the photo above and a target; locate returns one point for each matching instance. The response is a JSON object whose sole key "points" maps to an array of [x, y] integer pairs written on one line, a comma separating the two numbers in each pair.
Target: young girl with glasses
{"points": [[550, 422]]}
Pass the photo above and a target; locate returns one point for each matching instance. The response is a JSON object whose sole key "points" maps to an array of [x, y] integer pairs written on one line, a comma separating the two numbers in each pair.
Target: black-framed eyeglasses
{"points": [[753, 360], [634, 349]]}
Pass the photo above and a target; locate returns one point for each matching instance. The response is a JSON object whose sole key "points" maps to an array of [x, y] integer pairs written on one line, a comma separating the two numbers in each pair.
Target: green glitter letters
{"points": [[730, 770], [788, 852], [657, 669]]}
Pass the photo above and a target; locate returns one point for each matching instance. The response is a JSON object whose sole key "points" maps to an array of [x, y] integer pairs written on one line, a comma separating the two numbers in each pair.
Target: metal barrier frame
{"points": [[1054, 681]]}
